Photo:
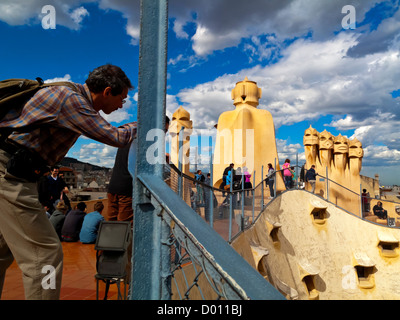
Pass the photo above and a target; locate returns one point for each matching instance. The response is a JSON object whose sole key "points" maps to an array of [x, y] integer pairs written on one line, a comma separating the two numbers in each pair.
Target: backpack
{"points": [[15, 93]]}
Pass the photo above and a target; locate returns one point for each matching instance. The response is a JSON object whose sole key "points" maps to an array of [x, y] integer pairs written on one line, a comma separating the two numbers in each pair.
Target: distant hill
{"points": [[75, 163]]}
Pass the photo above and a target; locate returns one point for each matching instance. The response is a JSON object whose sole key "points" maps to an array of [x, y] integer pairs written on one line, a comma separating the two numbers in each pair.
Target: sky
{"points": [[315, 64]]}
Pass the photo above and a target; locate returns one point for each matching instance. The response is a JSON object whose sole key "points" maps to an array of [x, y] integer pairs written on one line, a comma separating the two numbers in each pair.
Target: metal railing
{"points": [[198, 255], [229, 211]]}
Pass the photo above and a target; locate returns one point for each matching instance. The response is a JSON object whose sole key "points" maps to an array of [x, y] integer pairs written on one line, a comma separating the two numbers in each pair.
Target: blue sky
{"points": [[312, 71]]}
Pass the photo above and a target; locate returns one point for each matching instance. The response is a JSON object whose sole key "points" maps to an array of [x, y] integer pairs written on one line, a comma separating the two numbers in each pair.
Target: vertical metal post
{"points": [[253, 193], [210, 143], [262, 188], [243, 197], [165, 264], [211, 190], [327, 184], [198, 153], [150, 260], [180, 161], [361, 203], [276, 178], [297, 170], [196, 159], [230, 205]]}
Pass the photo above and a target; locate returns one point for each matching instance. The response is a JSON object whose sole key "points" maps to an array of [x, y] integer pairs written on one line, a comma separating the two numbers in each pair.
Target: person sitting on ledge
{"points": [[379, 211], [91, 224], [73, 223]]}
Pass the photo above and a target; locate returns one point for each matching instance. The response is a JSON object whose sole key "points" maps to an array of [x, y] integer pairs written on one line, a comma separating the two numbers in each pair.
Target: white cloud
{"points": [[381, 156], [289, 151], [178, 28], [97, 154], [78, 15], [312, 79], [263, 48], [15, 12], [134, 32], [378, 128], [191, 61], [221, 24], [20, 12], [118, 116], [66, 78], [380, 152], [362, 126], [171, 105], [205, 41], [174, 61], [379, 40]]}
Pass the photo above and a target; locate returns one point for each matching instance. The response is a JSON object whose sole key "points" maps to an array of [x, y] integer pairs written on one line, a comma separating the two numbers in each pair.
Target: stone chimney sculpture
{"points": [[245, 135]]}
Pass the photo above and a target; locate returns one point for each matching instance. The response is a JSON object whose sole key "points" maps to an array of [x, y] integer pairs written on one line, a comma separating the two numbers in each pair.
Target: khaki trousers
{"points": [[27, 235], [119, 207], [312, 184]]}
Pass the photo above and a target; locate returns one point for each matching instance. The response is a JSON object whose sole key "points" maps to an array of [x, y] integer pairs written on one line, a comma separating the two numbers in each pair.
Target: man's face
{"points": [[54, 173], [110, 103]]}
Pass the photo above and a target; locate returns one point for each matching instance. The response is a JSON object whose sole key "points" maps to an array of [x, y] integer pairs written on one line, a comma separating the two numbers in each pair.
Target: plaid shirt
{"points": [[64, 115]]}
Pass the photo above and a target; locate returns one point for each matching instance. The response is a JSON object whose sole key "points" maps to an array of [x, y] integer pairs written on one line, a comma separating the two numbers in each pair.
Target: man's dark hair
{"points": [[108, 76], [81, 206]]}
